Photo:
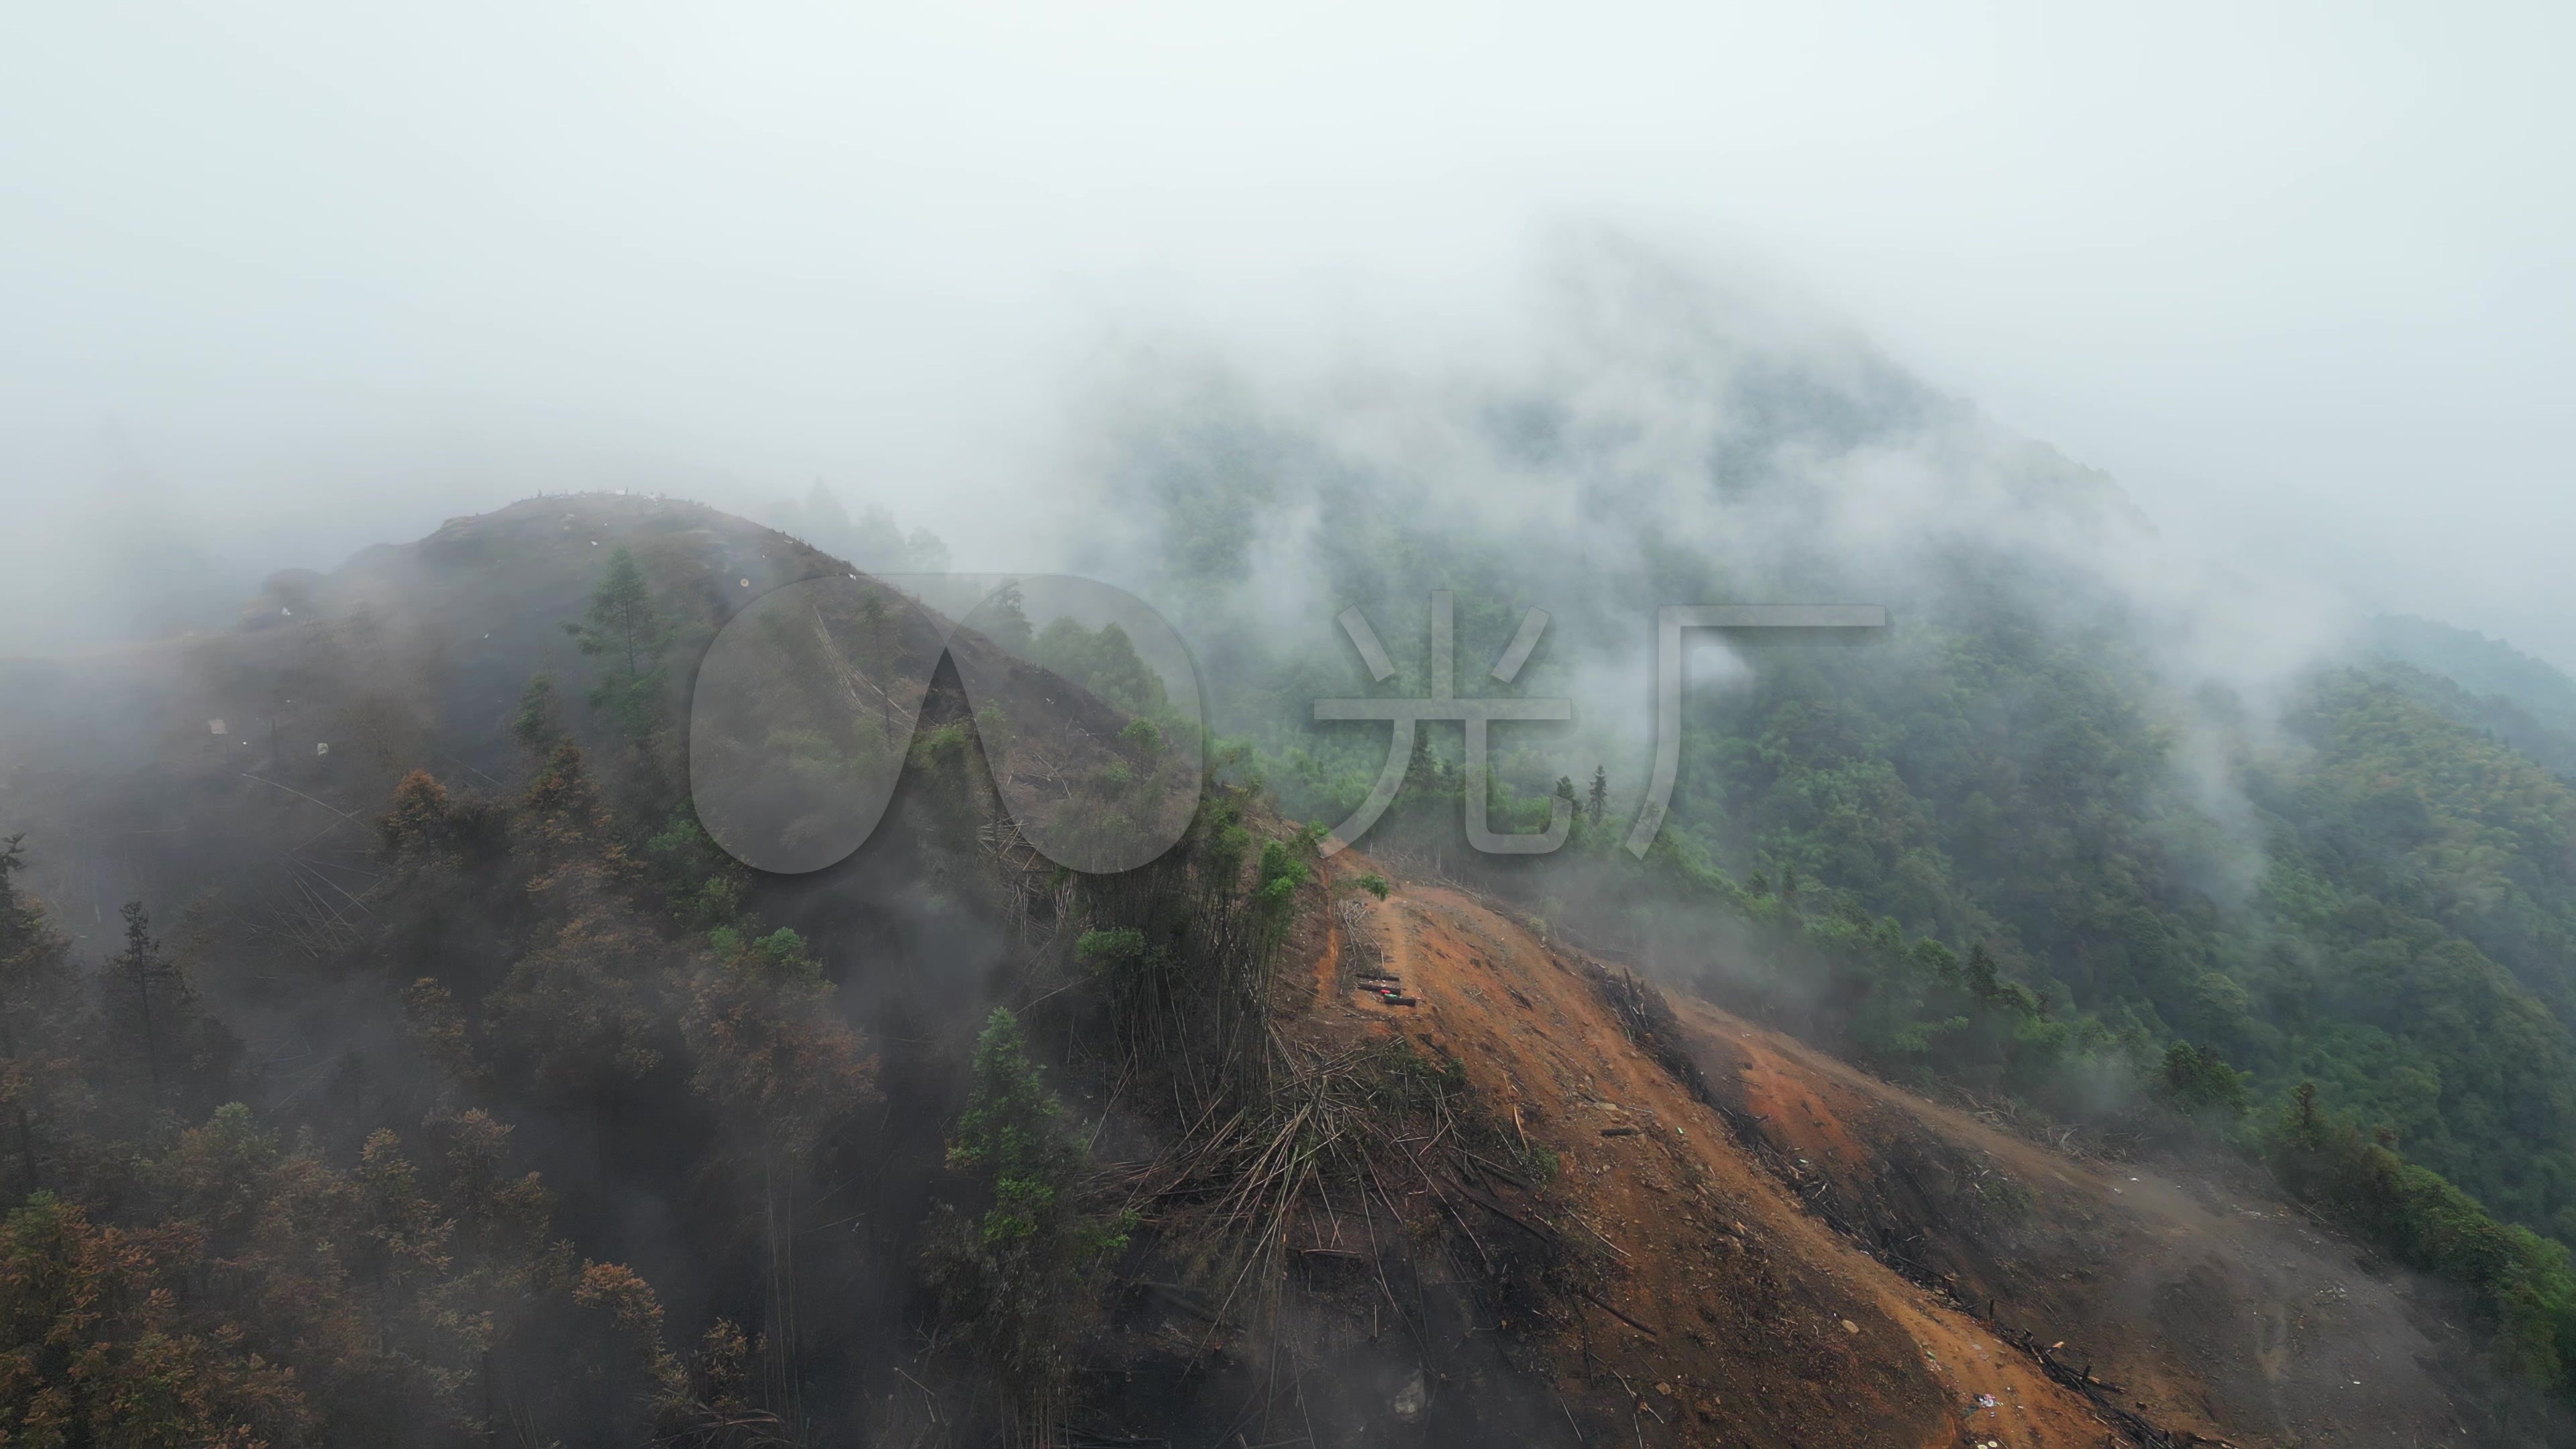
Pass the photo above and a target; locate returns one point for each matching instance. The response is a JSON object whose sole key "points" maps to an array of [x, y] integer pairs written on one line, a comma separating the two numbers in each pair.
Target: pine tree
{"points": [[536, 726], [1984, 977], [774, 1052], [876, 544], [1599, 800], [621, 630], [146, 983], [872, 610], [40, 1016], [825, 521], [1017, 1284], [923, 552], [1007, 623], [2198, 1079]]}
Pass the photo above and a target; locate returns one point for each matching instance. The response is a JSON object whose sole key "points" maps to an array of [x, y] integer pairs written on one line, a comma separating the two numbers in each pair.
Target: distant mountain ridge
{"points": [[2528, 703]]}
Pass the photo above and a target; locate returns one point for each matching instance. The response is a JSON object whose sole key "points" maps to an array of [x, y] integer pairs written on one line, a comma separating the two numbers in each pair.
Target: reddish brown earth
{"points": [[2219, 1310], [1814, 1257], [1731, 1314]]}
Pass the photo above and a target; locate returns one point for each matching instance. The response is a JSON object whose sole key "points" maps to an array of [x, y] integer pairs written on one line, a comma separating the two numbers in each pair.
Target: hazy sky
{"points": [[303, 276]]}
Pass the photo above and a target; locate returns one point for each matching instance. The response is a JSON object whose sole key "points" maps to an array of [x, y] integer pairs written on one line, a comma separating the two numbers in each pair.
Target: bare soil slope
{"points": [[1729, 1314], [2218, 1309], [1797, 1253]]}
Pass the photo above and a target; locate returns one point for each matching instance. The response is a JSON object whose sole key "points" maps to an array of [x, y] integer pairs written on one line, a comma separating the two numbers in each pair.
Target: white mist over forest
{"points": [[282, 281], [521, 919]]}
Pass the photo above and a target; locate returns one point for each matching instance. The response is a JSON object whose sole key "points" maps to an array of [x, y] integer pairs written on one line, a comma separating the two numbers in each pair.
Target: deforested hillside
{"points": [[1789, 1250], [1660, 726], [2153, 847], [394, 1055]]}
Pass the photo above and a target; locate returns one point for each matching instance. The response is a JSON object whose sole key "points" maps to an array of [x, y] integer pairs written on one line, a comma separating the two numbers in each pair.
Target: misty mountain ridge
{"points": [[491, 897], [2169, 868], [1676, 728], [2526, 702]]}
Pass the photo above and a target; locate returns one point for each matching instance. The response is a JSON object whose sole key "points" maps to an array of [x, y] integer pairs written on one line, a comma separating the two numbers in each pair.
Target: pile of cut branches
{"points": [[1369, 1154]]}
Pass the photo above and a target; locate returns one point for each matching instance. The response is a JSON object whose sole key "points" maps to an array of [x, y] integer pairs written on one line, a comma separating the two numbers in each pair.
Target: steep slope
{"points": [[2061, 751], [1729, 1313], [1810, 1255], [1670, 1227], [2216, 1307]]}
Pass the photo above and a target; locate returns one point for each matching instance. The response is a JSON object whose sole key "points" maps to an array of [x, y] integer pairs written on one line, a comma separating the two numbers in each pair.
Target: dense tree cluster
{"points": [[600, 1150], [199, 1253]]}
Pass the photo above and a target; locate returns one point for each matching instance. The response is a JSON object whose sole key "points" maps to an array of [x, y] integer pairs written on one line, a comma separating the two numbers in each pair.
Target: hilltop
{"points": [[448, 1082]]}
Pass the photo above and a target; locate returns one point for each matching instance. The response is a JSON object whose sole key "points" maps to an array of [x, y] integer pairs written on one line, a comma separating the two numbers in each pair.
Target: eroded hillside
{"points": [[1324, 1160], [1792, 1252]]}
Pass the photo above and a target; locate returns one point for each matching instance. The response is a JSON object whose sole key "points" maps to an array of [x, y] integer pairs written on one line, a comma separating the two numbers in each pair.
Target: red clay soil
{"points": [[2218, 1310], [1728, 1314]]}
